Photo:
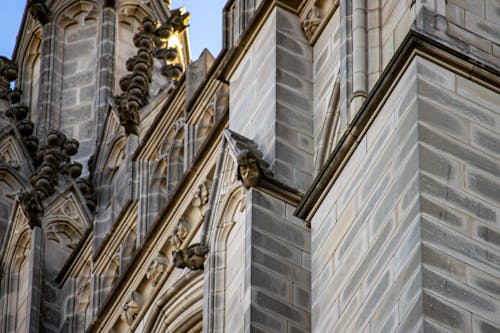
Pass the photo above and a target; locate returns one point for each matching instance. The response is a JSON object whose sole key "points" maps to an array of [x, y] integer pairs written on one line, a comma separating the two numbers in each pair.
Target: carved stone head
{"points": [[248, 169]]}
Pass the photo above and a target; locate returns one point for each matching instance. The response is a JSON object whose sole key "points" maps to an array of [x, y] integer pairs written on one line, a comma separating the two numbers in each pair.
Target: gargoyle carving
{"points": [[157, 268], [39, 10], [193, 257], [31, 204]]}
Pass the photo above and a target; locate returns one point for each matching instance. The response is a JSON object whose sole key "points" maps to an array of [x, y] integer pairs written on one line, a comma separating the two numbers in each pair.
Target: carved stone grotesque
{"points": [[31, 204], [88, 193], [132, 307], [129, 117], [249, 172], [157, 268], [178, 20], [193, 257], [39, 10], [312, 21]]}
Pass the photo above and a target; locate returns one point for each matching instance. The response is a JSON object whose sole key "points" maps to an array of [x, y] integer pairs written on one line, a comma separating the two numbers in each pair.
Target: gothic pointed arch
{"points": [[14, 286], [180, 308], [224, 228]]}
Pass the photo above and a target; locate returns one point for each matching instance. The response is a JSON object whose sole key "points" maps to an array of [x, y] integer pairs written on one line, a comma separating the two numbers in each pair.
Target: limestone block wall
{"points": [[78, 98], [407, 237], [365, 250], [277, 268], [271, 98], [459, 122], [472, 26]]}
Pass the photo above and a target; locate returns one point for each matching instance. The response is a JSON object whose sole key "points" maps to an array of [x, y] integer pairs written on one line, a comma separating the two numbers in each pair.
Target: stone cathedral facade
{"points": [[336, 168]]}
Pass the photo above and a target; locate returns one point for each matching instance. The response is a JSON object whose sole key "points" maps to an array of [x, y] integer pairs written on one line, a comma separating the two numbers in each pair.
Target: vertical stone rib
{"points": [[46, 75], [106, 66], [35, 269], [359, 50]]}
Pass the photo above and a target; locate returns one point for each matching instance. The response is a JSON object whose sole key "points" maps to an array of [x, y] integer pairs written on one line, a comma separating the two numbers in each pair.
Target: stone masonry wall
{"points": [[407, 238], [78, 96], [271, 98], [459, 122], [365, 250], [278, 268], [472, 26]]}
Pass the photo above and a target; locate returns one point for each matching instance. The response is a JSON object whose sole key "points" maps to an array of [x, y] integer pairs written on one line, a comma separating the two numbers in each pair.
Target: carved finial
{"points": [[193, 257]]}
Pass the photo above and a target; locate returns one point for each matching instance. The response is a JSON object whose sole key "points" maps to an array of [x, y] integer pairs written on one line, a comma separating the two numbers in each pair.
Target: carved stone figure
{"points": [[312, 21], [31, 203], [132, 307], [39, 10], [179, 234], [249, 172], [200, 196], [156, 269], [193, 257]]}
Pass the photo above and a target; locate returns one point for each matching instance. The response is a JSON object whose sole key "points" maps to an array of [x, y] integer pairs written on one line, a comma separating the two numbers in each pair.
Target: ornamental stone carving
{"points": [[31, 204], [200, 197], [39, 10], [193, 257], [179, 234], [249, 172], [157, 268], [312, 21], [132, 307]]}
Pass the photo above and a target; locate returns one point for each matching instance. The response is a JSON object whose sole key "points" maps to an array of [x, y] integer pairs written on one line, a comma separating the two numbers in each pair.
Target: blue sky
{"points": [[205, 29]]}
